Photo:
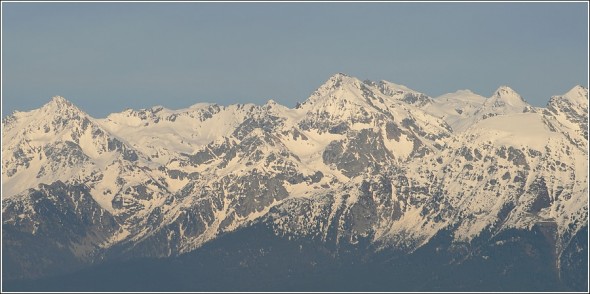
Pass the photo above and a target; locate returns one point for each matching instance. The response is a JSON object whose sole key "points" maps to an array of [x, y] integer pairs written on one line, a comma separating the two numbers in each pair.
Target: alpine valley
{"points": [[365, 186]]}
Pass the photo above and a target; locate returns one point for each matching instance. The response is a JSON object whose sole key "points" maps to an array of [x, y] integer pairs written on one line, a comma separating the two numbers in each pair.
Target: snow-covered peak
{"points": [[59, 106], [571, 110], [57, 112], [340, 76], [278, 109], [55, 115], [456, 108], [402, 93], [200, 105], [466, 91], [463, 108], [461, 95], [504, 101], [508, 96], [338, 86], [352, 89], [158, 108], [391, 89], [59, 99], [577, 95], [272, 105], [337, 81], [581, 90]]}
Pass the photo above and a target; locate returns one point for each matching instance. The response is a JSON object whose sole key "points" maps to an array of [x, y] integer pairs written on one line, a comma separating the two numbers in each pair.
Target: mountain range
{"points": [[363, 186]]}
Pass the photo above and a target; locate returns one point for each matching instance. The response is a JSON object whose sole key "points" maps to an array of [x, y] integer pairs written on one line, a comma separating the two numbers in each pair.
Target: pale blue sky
{"points": [[105, 57]]}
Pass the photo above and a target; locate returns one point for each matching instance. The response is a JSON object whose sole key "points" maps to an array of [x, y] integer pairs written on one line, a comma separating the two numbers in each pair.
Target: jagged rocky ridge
{"points": [[359, 164]]}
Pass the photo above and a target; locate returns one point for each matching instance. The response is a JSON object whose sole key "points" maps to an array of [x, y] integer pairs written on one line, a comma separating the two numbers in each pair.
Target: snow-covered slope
{"points": [[464, 108], [358, 160], [162, 134], [456, 108]]}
